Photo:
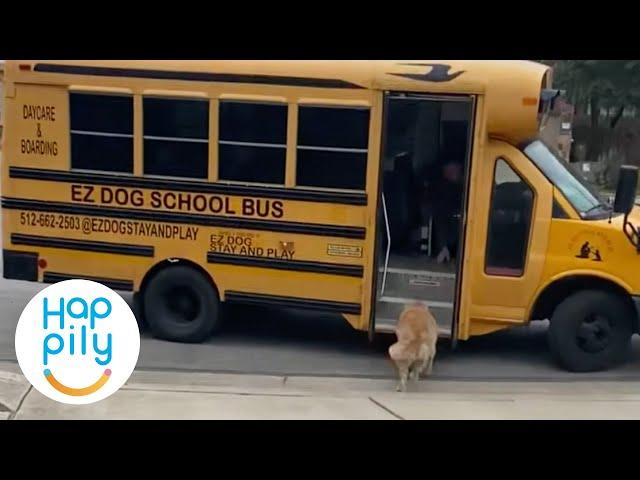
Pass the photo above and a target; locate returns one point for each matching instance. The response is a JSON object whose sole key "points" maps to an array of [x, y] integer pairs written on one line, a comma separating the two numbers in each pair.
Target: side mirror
{"points": [[625, 198]]}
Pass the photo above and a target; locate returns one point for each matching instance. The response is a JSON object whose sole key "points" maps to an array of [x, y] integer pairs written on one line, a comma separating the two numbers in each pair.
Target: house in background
{"points": [[557, 129]]}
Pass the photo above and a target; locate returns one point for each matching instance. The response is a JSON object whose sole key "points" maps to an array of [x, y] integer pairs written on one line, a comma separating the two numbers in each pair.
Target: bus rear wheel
{"points": [[181, 305], [590, 331]]}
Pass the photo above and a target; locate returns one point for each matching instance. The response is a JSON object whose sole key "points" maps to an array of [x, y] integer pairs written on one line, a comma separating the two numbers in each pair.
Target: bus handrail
{"points": [[386, 260]]}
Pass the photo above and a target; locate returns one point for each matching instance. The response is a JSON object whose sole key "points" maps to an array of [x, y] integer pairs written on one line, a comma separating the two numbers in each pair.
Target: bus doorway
{"points": [[420, 217]]}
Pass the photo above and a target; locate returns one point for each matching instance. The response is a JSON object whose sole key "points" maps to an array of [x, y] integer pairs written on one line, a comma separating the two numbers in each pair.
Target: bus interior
{"points": [[425, 163]]}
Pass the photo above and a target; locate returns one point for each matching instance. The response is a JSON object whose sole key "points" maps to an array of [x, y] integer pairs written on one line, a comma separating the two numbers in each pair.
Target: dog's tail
{"points": [[398, 351], [395, 351]]}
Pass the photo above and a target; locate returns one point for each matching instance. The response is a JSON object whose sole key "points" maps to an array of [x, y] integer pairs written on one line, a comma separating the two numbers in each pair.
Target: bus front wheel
{"points": [[181, 305], [590, 331]]}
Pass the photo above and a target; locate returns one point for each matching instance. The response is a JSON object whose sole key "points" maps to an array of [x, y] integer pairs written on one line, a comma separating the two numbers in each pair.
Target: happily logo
{"points": [[77, 342]]}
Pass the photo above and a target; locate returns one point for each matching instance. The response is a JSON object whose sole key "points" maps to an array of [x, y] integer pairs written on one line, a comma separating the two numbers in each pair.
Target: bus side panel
{"points": [[247, 261], [98, 226], [36, 136], [38, 128]]}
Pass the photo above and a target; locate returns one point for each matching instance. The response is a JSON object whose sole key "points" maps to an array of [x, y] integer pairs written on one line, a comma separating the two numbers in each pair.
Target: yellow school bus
{"points": [[353, 187], [1, 95]]}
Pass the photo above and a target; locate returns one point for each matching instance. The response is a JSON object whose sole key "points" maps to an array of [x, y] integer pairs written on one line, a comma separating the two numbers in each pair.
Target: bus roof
{"points": [[465, 76], [511, 88]]}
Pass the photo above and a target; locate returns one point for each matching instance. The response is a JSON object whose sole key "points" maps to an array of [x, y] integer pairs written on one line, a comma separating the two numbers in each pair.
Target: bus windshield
{"points": [[583, 196]]}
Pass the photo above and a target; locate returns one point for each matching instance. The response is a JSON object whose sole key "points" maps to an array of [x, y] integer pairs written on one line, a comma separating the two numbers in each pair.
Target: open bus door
{"points": [[409, 230]]}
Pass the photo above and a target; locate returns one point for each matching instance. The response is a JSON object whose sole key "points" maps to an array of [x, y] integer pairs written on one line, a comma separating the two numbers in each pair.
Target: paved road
{"points": [[267, 342]]}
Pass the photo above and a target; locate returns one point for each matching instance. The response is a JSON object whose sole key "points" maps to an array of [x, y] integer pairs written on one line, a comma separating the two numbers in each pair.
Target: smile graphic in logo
{"points": [[77, 342], [77, 392]]}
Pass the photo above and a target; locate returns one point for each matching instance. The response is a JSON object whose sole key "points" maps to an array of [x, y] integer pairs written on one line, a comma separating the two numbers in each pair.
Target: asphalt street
{"points": [[260, 341]]}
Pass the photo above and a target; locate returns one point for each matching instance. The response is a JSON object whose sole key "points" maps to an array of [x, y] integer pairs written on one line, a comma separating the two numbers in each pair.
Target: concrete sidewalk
{"points": [[179, 395]]}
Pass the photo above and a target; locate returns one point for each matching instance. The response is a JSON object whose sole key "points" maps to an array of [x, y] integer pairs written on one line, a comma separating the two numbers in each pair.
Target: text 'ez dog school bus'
{"points": [[348, 187]]}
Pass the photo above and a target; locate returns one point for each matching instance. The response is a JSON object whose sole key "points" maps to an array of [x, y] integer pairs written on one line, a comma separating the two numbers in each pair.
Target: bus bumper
{"points": [[20, 265]]}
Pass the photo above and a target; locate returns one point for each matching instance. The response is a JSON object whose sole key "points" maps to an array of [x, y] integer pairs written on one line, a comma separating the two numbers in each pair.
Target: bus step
{"points": [[388, 325], [388, 310], [419, 285]]}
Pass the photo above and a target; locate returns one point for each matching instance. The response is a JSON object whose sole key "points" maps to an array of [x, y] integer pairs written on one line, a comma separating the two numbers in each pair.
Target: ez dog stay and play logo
{"points": [[77, 342]]}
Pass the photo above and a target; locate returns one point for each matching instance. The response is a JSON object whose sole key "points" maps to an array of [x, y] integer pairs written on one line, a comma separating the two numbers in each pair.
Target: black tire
{"points": [[136, 308], [181, 305], [591, 331]]}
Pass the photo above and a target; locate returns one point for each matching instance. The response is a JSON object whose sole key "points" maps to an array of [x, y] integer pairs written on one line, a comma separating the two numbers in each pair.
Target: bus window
{"points": [[332, 147], [101, 132], [582, 196], [253, 142], [175, 130], [509, 222]]}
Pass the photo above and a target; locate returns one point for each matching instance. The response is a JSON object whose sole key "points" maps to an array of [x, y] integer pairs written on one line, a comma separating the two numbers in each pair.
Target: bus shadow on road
{"points": [[275, 325], [332, 332], [266, 340]]}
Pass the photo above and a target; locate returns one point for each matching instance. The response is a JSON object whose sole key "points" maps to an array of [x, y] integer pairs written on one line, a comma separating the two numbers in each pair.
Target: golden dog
{"points": [[415, 350]]}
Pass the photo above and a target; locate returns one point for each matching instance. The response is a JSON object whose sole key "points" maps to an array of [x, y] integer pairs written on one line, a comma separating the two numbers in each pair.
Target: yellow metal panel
{"points": [[38, 127], [292, 142], [618, 259], [373, 171], [500, 297], [245, 97], [100, 90], [173, 93], [512, 88], [160, 200], [337, 102], [475, 174]]}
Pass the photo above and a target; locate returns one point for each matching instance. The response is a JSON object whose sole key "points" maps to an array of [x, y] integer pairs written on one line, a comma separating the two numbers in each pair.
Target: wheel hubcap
{"points": [[594, 333]]}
